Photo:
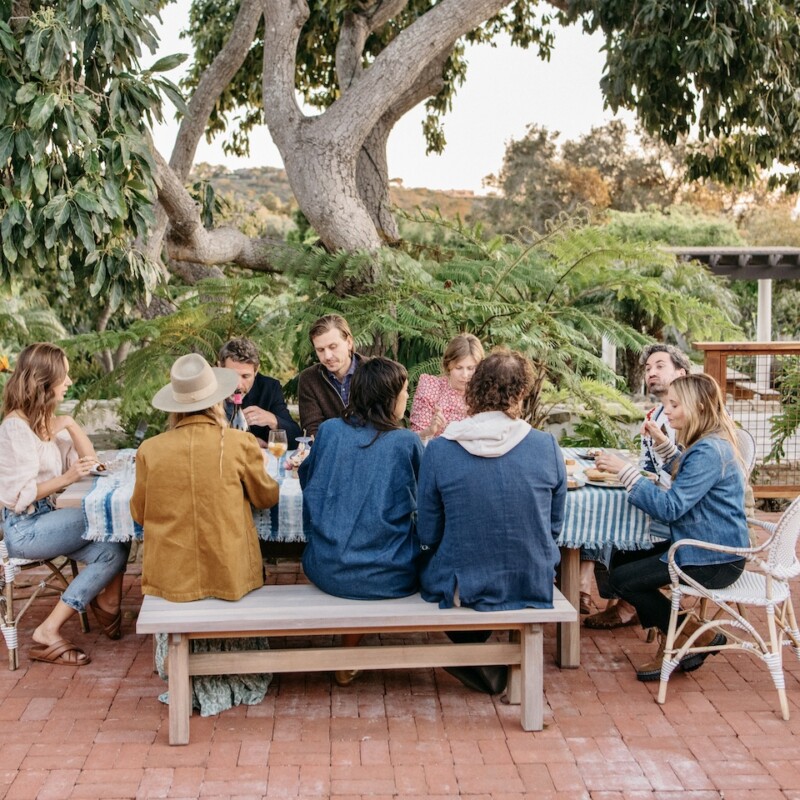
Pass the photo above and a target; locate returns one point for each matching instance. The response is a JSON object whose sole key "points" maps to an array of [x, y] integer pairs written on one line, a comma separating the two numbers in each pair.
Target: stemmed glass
{"points": [[277, 444]]}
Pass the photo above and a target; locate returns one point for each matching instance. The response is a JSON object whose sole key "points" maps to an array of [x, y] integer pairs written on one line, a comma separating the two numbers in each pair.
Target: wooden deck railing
{"points": [[746, 371]]}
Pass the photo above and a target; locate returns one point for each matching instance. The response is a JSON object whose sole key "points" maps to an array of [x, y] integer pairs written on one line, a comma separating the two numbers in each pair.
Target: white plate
{"points": [[606, 484], [99, 473]]}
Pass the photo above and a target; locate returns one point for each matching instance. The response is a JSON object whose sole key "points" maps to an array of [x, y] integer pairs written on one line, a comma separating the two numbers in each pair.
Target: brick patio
{"points": [[100, 732]]}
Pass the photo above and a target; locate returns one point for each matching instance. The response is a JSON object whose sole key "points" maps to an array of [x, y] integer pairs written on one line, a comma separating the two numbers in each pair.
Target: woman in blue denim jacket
{"points": [[705, 501]]}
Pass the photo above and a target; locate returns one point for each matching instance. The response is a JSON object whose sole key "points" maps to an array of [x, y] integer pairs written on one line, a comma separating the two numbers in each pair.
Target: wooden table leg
{"points": [[180, 689], [568, 647]]}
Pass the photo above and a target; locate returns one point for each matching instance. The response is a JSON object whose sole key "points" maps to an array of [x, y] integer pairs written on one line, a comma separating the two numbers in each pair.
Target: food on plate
{"points": [[100, 467], [573, 483], [572, 466], [600, 476]]}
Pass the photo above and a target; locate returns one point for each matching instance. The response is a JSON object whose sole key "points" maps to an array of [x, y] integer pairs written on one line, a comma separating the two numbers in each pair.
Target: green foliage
{"points": [[207, 315], [76, 168], [25, 317], [606, 168], [676, 226], [554, 300], [594, 431], [536, 186], [727, 70], [785, 425]]}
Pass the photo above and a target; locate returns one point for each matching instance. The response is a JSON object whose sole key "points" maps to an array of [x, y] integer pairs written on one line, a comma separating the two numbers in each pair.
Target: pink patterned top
{"points": [[432, 391]]}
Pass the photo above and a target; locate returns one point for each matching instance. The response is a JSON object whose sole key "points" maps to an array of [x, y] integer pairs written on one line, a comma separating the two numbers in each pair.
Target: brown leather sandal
{"points": [[110, 623], [60, 652], [608, 619]]}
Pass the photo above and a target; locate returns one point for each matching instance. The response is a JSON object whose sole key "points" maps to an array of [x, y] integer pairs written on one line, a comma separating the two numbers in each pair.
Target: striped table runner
{"points": [[596, 516]]}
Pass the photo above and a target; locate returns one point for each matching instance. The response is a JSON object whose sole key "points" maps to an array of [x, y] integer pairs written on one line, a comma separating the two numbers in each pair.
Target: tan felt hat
{"points": [[194, 385]]}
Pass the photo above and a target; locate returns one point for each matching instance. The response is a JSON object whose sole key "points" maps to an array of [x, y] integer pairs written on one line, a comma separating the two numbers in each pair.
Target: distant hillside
{"points": [[264, 193]]}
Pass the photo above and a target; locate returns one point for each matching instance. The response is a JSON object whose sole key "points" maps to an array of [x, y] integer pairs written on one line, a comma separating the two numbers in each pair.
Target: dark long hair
{"points": [[373, 394]]}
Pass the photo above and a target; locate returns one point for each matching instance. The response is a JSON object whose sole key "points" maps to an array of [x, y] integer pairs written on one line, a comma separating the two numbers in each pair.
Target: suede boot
{"points": [[710, 638], [651, 670]]}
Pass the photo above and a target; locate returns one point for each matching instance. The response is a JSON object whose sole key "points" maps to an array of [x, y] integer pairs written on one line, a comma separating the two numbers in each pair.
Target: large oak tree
{"points": [[80, 181]]}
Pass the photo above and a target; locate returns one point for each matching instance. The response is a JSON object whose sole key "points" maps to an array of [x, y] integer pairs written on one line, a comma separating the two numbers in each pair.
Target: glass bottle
{"points": [[238, 422]]}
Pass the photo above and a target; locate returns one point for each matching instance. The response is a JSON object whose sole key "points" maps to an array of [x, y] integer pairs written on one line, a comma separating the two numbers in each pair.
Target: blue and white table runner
{"points": [[595, 516]]}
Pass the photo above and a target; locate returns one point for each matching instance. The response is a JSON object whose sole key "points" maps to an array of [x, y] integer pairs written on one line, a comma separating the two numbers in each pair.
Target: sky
{"points": [[506, 90]]}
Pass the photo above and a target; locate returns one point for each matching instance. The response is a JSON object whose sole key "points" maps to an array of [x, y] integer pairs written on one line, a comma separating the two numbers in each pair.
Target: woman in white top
{"points": [[41, 454]]}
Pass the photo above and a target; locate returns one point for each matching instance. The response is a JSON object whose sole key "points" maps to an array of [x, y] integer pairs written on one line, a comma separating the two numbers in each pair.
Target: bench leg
{"points": [[180, 689], [532, 679]]}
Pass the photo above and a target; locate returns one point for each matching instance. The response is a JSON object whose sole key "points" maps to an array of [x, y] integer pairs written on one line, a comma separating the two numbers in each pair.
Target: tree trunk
{"points": [[372, 178], [323, 179]]}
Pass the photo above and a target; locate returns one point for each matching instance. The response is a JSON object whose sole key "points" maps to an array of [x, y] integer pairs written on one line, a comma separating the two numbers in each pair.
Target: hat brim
{"points": [[227, 381]]}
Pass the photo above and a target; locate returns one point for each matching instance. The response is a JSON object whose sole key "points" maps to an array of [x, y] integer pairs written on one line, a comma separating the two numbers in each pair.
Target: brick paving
{"points": [[100, 732]]}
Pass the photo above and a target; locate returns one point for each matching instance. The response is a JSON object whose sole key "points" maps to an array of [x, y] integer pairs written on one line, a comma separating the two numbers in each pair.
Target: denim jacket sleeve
{"points": [[701, 467]]}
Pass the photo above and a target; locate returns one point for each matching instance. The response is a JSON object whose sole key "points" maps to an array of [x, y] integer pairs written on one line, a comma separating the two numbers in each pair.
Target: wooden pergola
{"points": [[745, 263], [764, 264]]}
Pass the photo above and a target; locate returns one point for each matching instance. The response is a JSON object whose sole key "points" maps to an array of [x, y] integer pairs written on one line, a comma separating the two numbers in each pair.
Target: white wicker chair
{"points": [[51, 582], [764, 583]]}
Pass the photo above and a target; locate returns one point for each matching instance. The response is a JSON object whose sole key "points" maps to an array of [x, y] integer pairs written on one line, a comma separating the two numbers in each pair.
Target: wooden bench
{"points": [[302, 610]]}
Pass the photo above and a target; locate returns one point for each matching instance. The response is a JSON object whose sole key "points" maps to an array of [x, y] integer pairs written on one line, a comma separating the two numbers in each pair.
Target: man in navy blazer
{"points": [[263, 404]]}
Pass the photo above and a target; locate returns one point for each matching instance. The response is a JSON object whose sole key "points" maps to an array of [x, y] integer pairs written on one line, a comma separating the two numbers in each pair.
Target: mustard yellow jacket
{"points": [[194, 486]]}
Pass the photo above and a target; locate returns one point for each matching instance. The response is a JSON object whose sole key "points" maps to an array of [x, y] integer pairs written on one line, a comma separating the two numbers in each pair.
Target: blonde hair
{"points": [[215, 413], [461, 346], [704, 413], [327, 323], [30, 390]]}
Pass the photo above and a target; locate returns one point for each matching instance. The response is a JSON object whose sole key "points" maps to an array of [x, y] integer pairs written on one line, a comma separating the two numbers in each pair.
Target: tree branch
{"points": [[190, 242], [215, 79], [398, 68], [283, 20], [372, 173], [356, 27]]}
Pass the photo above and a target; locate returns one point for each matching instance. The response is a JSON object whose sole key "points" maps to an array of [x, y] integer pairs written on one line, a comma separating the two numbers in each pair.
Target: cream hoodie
{"points": [[490, 434]]}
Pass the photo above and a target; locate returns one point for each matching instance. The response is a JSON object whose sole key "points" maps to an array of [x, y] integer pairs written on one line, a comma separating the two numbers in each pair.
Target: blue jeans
{"points": [[48, 533]]}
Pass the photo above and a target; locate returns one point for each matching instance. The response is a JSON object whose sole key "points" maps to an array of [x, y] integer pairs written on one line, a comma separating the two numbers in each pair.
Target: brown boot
{"points": [[693, 661], [651, 671]]}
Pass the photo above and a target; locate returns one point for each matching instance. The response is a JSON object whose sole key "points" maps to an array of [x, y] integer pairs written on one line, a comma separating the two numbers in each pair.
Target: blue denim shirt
{"points": [[360, 510], [705, 501]]}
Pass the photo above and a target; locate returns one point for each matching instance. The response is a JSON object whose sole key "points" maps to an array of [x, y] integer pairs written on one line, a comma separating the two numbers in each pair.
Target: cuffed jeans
{"points": [[638, 575], [47, 533]]}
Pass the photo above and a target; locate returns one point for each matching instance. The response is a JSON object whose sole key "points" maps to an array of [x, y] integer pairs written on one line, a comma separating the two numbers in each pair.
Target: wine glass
{"points": [[277, 444]]}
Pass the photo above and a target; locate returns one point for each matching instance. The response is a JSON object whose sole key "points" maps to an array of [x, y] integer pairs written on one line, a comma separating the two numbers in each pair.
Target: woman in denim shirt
{"points": [[705, 501], [360, 495]]}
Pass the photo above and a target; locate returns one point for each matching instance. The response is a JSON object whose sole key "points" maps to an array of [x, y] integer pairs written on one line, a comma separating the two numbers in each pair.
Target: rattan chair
{"points": [[764, 584], [50, 579]]}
